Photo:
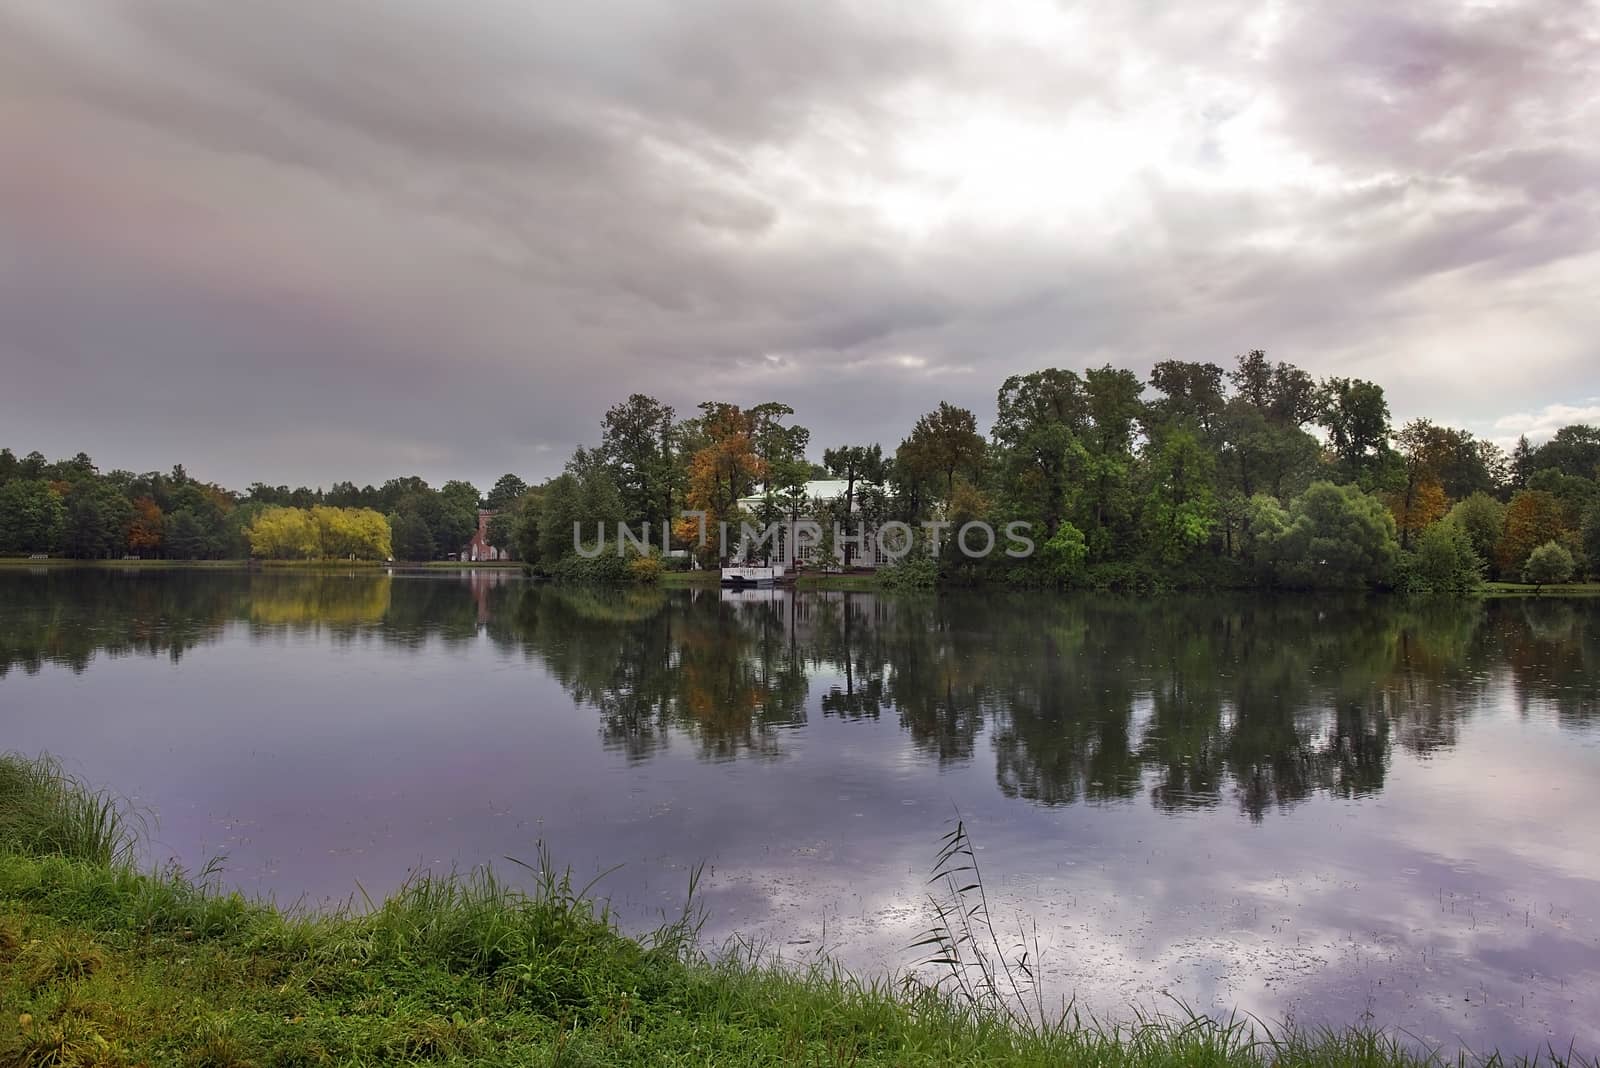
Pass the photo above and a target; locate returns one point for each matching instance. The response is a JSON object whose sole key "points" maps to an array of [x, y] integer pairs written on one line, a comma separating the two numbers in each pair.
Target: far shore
{"points": [[859, 582]]}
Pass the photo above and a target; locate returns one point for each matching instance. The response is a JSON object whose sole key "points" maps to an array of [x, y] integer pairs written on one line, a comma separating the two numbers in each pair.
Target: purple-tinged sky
{"points": [[307, 241]]}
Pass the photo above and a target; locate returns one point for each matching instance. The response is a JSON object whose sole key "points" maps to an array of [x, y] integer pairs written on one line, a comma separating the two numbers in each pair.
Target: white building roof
{"points": [[827, 489]]}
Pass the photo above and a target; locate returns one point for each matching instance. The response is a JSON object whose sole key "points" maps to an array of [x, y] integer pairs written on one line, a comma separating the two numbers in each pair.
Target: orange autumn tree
{"points": [[1532, 518], [1420, 501], [145, 529], [723, 469]]}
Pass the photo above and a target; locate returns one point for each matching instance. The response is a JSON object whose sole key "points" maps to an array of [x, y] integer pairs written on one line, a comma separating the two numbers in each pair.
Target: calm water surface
{"points": [[1321, 809]]}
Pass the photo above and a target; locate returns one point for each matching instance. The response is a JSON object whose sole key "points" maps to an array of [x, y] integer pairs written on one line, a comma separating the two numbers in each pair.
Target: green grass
{"points": [[688, 579], [1555, 589], [854, 582], [102, 964]]}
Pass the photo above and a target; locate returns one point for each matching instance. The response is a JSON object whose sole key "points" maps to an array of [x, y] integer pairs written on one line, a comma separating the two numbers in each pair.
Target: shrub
{"points": [[1126, 576], [917, 570], [1065, 553], [607, 569], [1550, 562], [1483, 519], [646, 569], [1444, 562], [1336, 536]]}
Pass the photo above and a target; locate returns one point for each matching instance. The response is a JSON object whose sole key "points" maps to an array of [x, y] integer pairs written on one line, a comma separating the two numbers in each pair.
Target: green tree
{"points": [[1522, 465], [1192, 397], [507, 489], [97, 520], [855, 463], [1574, 450], [1064, 554], [456, 520], [1180, 505], [1038, 436], [944, 442], [1104, 499], [1260, 532], [1337, 536], [1590, 540], [410, 536], [639, 439], [1284, 395], [589, 504], [1444, 561], [184, 535], [1260, 456], [781, 448], [1356, 416], [502, 526], [1550, 562], [559, 510], [1483, 520], [32, 517]]}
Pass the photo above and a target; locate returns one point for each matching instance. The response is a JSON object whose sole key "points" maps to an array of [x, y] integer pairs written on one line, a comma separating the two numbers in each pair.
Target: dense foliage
{"points": [[1258, 475], [1202, 476]]}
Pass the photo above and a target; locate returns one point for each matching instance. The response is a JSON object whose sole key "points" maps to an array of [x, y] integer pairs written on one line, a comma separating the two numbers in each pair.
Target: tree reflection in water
{"points": [[1195, 701]]}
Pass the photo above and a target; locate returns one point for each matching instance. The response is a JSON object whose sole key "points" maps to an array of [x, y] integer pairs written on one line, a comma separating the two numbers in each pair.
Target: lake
{"points": [[1332, 810]]}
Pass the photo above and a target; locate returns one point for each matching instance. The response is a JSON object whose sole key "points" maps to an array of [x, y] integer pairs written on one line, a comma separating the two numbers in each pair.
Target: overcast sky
{"points": [[307, 241]]}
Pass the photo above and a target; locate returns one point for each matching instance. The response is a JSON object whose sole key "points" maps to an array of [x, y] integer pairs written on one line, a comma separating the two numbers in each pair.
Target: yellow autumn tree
{"points": [[319, 533], [284, 534], [344, 533]]}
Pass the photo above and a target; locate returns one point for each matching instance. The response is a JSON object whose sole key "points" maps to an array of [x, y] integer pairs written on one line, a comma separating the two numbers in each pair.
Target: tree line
{"points": [[1254, 475], [1257, 474], [71, 508]]}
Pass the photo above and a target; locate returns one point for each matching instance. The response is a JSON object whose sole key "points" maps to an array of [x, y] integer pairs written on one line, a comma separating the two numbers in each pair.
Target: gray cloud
{"points": [[305, 242]]}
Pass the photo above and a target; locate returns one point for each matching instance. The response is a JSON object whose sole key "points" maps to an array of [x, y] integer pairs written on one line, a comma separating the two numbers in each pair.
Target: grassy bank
{"points": [[101, 964], [675, 580], [1557, 589], [806, 581], [64, 561], [293, 565], [864, 583]]}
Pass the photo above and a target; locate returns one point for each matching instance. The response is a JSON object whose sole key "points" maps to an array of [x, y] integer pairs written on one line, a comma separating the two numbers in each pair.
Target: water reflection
{"points": [[1192, 702], [1316, 807]]}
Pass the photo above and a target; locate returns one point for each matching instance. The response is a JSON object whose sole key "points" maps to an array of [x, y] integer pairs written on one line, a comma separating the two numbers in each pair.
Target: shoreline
{"points": [[856, 582]]}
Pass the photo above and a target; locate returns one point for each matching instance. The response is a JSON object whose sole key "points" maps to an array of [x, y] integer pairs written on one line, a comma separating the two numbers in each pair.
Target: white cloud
{"points": [[517, 216], [1542, 424]]}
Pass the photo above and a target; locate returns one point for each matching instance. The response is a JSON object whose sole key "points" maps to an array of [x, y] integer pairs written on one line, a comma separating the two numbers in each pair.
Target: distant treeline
{"points": [[71, 508], [1202, 476]]}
